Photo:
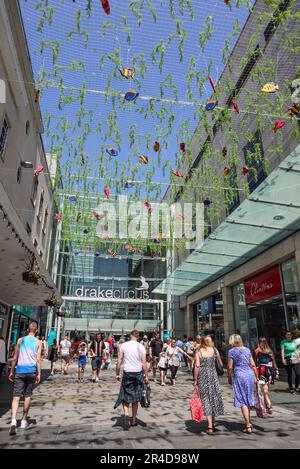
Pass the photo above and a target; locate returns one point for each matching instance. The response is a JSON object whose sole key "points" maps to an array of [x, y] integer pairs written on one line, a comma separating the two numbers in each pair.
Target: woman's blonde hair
{"points": [[263, 345], [206, 341], [235, 340]]}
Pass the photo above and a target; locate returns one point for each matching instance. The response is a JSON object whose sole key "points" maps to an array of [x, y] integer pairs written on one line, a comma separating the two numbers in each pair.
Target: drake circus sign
{"points": [[118, 293], [263, 286]]}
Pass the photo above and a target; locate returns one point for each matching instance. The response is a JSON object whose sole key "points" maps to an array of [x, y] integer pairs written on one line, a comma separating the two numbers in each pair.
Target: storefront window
{"points": [[211, 320], [241, 314], [292, 295]]}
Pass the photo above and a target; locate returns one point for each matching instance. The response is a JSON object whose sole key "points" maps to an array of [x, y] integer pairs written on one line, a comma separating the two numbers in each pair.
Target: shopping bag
{"points": [[260, 407], [196, 406], [145, 399]]}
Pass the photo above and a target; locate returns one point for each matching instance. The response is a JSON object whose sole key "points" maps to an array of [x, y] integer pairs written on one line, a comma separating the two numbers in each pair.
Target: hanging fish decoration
{"points": [[147, 204], [127, 72], [235, 106], [143, 159], [107, 193], [72, 198], [270, 88], [85, 231], [97, 254], [111, 252], [294, 110], [106, 6], [227, 2], [224, 151], [128, 184], [156, 147], [182, 146], [177, 174], [207, 202], [211, 104], [245, 170], [226, 170], [78, 216], [128, 247], [150, 210], [136, 250], [212, 84], [156, 241], [278, 125], [57, 217], [131, 95], [88, 248], [96, 214], [76, 253], [37, 96], [112, 151], [38, 170]]}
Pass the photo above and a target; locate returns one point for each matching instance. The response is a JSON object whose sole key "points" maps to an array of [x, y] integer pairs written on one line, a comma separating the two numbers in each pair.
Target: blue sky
{"points": [[144, 38]]}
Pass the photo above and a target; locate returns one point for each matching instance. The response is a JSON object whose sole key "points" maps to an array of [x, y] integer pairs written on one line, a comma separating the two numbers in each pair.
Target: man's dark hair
{"points": [[135, 333]]}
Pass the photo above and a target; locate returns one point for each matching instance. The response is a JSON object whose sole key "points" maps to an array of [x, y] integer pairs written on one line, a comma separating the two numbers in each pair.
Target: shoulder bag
{"points": [[220, 369]]}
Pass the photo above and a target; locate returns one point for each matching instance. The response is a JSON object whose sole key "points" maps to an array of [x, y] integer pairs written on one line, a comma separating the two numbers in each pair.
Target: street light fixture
{"points": [[27, 164]]}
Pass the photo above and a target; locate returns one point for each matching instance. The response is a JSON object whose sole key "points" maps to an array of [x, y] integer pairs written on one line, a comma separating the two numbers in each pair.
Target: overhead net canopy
{"points": [[122, 89]]}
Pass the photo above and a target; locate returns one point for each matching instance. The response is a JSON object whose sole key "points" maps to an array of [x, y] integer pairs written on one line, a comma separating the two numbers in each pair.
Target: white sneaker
{"points": [[24, 424], [13, 428], [97, 379], [163, 384]]}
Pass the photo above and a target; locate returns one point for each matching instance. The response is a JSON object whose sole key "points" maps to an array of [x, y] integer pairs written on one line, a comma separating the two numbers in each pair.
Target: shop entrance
{"points": [[267, 319]]}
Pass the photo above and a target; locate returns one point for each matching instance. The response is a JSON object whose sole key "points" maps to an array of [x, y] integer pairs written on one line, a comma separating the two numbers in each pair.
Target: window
{"points": [[45, 221], [41, 206], [254, 158], [34, 190], [3, 137]]}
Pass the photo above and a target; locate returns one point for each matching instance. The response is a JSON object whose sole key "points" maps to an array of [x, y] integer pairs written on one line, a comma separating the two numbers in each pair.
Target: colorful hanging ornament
{"points": [[96, 214], [182, 146], [78, 216], [212, 84], [107, 193], [127, 72], [270, 88], [97, 254], [147, 204], [57, 217], [227, 2], [294, 110], [37, 96], [72, 198], [245, 170], [88, 248], [224, 151], [150, 210], [278, 125], [112, 151], [143, 159], [128, 185], [85, 231], [111, 252], [131, 95], [226, 170], [82, 159], [38, 170], [156, 241], [211, 104], [128, 247], [106, 6], [156, 147], [235, 106], [76, 253], [163, 259], [207, 202], [177, 173]]}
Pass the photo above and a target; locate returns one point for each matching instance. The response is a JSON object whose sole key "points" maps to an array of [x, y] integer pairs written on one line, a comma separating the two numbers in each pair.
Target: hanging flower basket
{"points": [[52, 302], [32, 274]]}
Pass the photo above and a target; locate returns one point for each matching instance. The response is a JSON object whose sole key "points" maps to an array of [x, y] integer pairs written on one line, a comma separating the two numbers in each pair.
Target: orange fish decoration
{"points": [[178, 174], [38, 170], [128, 247], [127, 72], [106, 6], [235, 106], [156, 147], [107, 193], [278, 125], [294, 110], [111, 252]]}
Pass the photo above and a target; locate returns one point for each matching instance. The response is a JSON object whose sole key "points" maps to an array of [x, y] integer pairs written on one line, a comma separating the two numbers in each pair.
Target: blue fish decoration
{"points": [[85, 231], [131, 95], [112, 151], [211, 104], [72, 198], [128, 185]]}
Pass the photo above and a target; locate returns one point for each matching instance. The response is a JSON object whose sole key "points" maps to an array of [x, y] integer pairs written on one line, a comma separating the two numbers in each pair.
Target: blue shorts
{"points": [[96, 363], [82, 362]]}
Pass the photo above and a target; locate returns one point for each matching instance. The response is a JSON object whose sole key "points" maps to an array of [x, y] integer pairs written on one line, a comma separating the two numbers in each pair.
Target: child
{"points": [[162, 365], [82, 352]]}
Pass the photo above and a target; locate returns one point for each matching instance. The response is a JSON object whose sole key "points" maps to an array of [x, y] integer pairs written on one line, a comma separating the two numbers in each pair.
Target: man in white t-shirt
{"points": [[133, 354], [65, 346]]}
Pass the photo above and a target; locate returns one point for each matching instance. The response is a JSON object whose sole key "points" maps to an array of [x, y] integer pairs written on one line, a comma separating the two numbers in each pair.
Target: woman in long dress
{"points": [[241, 374], [207, 381]]}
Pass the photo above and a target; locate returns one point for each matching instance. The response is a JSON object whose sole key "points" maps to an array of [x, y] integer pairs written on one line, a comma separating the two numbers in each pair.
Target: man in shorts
{"points": [[65, 350], [97, 350], [25, 373], [156, 347]]}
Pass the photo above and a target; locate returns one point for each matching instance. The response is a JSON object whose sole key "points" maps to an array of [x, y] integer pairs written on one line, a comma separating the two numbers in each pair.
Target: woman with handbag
{"points": [[291, 358], [173, 359], [267, 369], [206, 380], [241, 374]]}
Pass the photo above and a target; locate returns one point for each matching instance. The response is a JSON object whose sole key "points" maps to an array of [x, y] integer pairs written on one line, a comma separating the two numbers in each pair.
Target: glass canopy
{"points": [[270, 214]]}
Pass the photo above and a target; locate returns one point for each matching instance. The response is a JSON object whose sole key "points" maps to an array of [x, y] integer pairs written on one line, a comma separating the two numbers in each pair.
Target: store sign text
{"points": [[118, 293], [263, 286]]}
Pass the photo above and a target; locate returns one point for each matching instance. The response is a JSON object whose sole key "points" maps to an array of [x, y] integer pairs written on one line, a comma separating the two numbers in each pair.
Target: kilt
{"points": [[131, 388]]}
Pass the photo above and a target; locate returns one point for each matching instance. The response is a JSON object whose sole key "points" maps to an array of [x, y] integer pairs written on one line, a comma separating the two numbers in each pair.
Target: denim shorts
{"points": [[96, 363], [24, 384]]}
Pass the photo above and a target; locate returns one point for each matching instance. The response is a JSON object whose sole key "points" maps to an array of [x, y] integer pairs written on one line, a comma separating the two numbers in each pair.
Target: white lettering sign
{"points": [[120, 293]]}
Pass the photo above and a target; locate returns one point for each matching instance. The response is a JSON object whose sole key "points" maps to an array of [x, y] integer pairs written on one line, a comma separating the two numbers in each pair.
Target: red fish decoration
{"points": [[88, 248], [212, 84], [38, 170], [235, 106], [107, 193], [57, 217], [147, 204], [227, 2], [106, 6], [182, 146], [245, 170], [178, 174], [156, 147], [278, 125], [150, 210]]}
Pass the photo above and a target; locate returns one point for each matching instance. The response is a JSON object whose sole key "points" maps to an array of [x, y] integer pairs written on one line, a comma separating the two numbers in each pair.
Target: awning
{"points": [[270, 214]]}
